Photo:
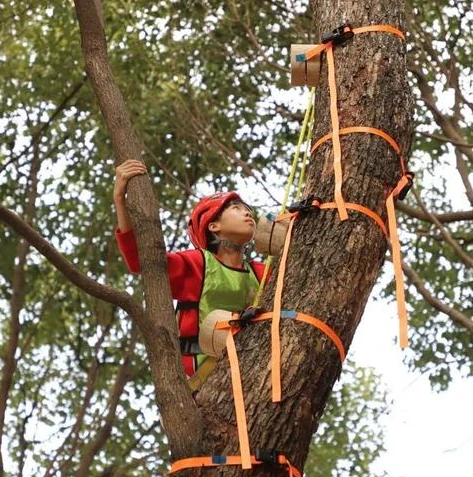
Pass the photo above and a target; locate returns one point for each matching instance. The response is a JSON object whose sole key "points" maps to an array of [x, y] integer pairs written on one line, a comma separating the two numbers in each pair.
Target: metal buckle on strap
{"points": [[309, 203], [339, 36], [190, 345], [246, 316], [268, 456]]}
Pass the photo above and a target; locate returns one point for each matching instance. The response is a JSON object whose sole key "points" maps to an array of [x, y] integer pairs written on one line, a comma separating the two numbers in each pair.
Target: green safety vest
{"points": [[225, 288]]}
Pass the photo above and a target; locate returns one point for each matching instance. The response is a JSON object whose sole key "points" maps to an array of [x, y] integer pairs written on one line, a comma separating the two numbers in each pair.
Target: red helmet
{"points": [[204, 212]]}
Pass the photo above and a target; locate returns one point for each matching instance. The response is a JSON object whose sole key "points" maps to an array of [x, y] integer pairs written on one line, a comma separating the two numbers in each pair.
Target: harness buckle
{"points": [[404, 191], [339, 36], [189, 345], [305, 204], [268, 456], [246, 316]]}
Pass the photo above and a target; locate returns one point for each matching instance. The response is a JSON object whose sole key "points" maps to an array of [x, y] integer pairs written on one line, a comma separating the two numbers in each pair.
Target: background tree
{"points": [[64, 335]]}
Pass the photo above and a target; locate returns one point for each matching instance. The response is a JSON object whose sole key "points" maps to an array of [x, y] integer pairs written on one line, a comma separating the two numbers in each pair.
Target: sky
{"points": [[427, 434]]}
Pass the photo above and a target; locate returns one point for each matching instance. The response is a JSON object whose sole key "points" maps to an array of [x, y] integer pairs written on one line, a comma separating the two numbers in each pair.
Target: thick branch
{"points": [[178, 410], [75, 276]]}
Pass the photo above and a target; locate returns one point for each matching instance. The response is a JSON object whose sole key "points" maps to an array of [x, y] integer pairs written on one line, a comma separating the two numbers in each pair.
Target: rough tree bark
{"points": [[332, 265], [158, 327]]}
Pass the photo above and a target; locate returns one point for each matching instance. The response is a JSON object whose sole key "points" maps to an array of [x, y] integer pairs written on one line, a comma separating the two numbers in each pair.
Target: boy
{"points": [[214, 275]]}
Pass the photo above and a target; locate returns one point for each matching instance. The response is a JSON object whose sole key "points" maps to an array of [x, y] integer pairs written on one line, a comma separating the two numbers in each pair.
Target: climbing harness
{"points": [[335, 38]]}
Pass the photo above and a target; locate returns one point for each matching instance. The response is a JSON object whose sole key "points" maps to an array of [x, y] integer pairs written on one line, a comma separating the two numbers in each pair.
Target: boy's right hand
{"points": [[123, 173]]}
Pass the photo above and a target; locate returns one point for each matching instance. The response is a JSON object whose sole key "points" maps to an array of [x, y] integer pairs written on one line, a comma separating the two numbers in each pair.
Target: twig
{"points": [[443, 218], [456, 316], [438, 137], [464, 257]]}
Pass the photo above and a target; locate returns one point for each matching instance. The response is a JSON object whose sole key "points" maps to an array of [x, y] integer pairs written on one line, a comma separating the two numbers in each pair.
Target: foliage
{"points": [[206, 83], [349, 450], [440, 49]]}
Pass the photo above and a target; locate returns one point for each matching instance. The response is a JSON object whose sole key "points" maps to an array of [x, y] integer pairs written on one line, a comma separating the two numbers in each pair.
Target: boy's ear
{"points": [[214, 227]]}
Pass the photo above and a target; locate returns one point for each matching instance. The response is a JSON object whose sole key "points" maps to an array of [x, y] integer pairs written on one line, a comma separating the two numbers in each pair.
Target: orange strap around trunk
{"points": [[239, 403], [369, 130], [349, 206], [235, 368], [315, 322], [396, 248], [217, 461]]}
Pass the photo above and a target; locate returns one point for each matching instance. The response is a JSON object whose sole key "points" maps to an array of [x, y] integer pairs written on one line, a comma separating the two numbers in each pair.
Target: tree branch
{"points": [[463, 170], [18, 294], [91, 287], [464, 257], [104, 432], [443, 218], [159, 328], [438, 137], [201, 128], [445, 123], [73, 435], [38, 134], [456, 316], [254, 39]]}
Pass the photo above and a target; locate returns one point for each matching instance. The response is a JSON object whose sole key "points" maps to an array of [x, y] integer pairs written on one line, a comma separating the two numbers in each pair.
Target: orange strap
{"points": [[239, 403], [275, 339], [348, 205], [384, 28], [216, 461], [396, 252], [369, 130], [337, 150], [315, 322]]}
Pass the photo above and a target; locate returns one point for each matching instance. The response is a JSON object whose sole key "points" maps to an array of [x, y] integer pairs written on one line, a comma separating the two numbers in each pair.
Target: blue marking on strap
{"points": [[219, 459], [288, 314]]}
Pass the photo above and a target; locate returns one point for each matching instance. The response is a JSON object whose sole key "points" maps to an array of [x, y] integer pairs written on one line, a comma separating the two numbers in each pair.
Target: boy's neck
{"points": [[230, 256]]}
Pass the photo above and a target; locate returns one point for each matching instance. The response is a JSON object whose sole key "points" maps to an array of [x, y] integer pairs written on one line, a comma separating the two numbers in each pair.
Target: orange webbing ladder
{"points": [[246, 459]]}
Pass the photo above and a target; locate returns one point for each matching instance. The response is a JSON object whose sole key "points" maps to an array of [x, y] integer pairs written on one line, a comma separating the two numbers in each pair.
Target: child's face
{"points": [[236, 223]]}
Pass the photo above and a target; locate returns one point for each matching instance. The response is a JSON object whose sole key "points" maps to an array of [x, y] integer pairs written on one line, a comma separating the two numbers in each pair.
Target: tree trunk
{"points": [[157, 325], [332, 265]]}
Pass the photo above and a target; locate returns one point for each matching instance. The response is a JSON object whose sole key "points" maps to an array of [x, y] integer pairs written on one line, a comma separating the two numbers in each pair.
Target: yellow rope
{"points": [[297, 152], [301, 180], [304, 136]]}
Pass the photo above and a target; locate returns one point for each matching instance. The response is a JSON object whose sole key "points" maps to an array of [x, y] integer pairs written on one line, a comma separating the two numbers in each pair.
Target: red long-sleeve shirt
{"points": [[186, 277]]}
